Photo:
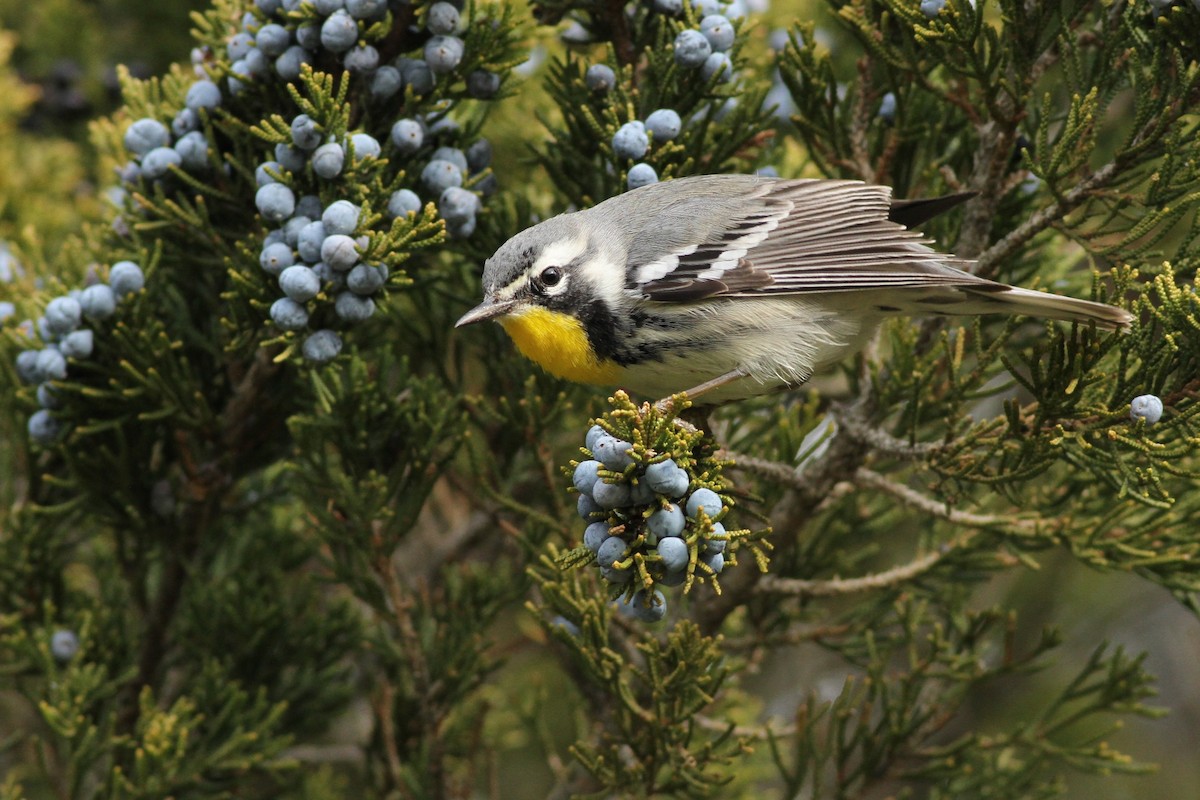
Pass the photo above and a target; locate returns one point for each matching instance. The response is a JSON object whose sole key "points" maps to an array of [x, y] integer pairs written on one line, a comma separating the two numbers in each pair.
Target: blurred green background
{"points": [[70, 48]]}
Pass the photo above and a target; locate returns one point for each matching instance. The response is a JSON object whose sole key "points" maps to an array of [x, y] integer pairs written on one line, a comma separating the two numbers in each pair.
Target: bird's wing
{"points": [[794, 237]]}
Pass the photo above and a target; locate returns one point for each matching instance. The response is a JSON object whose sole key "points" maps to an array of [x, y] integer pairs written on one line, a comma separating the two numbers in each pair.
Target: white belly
{"points": [[777, 342]]}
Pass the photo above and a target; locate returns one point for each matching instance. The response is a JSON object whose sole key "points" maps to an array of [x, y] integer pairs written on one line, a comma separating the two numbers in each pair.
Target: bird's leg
{"points": [[707, 386], [695, 418]]}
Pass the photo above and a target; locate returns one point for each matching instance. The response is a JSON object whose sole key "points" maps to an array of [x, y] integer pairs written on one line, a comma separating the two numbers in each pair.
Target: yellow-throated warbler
{"points": [[732, 284]]}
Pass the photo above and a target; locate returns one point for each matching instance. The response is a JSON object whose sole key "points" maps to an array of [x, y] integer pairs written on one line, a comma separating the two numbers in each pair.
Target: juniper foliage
{"points": [[241, 559]]}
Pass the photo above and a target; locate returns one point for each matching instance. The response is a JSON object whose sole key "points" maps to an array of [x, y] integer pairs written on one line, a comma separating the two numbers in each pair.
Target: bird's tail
{"points": [[997, 298]]}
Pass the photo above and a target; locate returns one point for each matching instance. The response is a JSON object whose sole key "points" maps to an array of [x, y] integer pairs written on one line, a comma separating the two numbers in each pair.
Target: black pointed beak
{"points": [[488, 309]]}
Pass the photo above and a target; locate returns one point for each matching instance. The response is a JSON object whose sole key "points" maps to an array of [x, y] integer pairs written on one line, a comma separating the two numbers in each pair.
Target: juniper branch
{"points": [[996, 142], [990, 260], [896, 575], [882, 442], [322, 754], [614, 13], [875, 438], [761, 732], [860, 160], [776, 471], [839, 463], [934, 508], [841, 586], [384, 705], [209, 480], [431, 718]]}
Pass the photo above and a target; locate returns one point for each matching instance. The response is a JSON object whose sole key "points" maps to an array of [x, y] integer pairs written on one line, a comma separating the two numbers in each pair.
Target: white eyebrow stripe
{"points": [[557, 254], [560, 253], [508, 291]]}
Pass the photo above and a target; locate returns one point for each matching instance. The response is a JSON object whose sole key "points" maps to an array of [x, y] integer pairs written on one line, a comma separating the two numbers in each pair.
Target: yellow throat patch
{"points": [[558, 343]]}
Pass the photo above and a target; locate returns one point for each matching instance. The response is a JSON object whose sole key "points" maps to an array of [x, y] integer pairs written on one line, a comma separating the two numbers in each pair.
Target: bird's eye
{"points": [[550, 276]]}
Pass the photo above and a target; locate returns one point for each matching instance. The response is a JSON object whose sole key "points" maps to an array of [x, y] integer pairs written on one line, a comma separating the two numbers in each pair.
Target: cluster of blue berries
{"points": [[645, 521], [632, 141], [320, 254], [315, 255], [155, 147], [282, 43], [1148, 407], [703, 51], [706, 49], [61, 328], [336, 29], [317, 252], [445, 175]]}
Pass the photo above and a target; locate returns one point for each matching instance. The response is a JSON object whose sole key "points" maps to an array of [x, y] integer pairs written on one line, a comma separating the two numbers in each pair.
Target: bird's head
{"points": [[553, 288], [550, 266]]}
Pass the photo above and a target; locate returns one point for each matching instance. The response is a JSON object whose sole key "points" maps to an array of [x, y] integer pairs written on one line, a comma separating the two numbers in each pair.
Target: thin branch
{"points": [[622, 36], [860, 119], [794, 478], [882, 442], [160, 615], [323, 754], [401, 607], [903, 572], [940, 510], [761, 732], [990, 260], [776, 471], [996, 138], [385, 709], [240, 416], [822, 475], [842, 586], [859, 430]]}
